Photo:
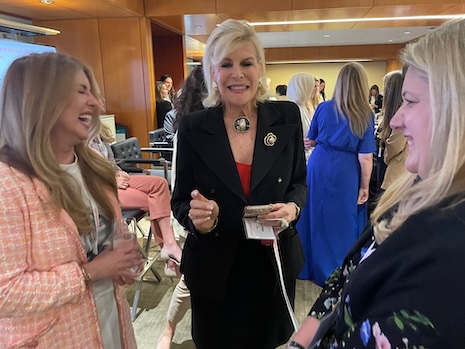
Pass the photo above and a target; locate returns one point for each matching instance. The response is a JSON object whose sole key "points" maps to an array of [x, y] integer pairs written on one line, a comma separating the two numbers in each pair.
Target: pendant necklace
{"points": [[241, 124]]}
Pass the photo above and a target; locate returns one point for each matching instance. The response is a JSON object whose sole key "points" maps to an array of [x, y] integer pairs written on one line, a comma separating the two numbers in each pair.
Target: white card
{"points": [[257, 231]]}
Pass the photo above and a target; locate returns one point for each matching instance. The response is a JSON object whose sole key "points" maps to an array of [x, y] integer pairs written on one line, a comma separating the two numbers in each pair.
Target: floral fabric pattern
{"points": [[406, 327]]}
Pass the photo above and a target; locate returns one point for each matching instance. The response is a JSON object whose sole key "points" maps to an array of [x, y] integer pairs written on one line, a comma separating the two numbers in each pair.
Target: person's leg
{"points": [[151, 193], [180, 303]]}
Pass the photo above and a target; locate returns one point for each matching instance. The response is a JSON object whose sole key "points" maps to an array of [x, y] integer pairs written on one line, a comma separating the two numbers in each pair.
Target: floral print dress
{"points": [[404, 293]]}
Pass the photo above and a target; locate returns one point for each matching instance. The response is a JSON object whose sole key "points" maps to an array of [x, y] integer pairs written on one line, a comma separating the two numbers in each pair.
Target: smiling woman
{"points": [[395, 286], [240, 151], [60, 279]]}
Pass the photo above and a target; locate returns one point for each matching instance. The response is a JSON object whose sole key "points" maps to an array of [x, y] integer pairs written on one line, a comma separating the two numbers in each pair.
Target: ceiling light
{"points": [[326, 36], [390, 40], [407, 33], [198, 26], [370, 19], [47, 2], [320, 61], [25, 29]]}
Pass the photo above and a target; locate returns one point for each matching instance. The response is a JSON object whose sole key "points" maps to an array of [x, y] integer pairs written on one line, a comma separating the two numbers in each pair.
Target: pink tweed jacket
{"points": [[43, 299]]}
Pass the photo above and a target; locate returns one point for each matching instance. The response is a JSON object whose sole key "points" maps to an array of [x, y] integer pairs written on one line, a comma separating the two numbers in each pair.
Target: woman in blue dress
{"points": [[338, 175]]}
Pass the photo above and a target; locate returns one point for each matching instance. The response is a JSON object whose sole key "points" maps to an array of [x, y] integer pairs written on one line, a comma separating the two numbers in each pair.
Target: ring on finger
{"points": [[284, 223]]}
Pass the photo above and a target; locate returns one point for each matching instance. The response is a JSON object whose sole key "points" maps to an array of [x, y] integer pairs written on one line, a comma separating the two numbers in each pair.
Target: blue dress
{"points": [[331, 220]]}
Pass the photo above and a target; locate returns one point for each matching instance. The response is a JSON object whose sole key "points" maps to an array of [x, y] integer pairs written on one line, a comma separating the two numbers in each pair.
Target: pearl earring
{"points": [[214, 85]]}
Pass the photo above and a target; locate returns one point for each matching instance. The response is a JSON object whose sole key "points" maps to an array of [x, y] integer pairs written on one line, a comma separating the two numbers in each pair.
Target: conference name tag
{"points": [[257, 231]]}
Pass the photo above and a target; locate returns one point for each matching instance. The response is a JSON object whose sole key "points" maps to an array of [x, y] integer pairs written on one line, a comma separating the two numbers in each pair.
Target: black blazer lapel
{"points": [[212, 145], [270, 122]]}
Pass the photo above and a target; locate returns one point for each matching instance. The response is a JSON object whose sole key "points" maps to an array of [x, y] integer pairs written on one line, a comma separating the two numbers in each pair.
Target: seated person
{"points": [[148, 193]]}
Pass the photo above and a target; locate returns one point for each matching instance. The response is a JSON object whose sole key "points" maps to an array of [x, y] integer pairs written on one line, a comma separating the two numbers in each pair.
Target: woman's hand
{"points": [[307, 331], [280, 216], [122, 179], [116, 264], [203, 212], [309, 143], [362, 196]]}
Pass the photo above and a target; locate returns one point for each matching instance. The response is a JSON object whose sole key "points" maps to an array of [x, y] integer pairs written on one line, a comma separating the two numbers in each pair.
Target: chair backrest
{"points": [[127, 149], [158, 140], [157, 135]]}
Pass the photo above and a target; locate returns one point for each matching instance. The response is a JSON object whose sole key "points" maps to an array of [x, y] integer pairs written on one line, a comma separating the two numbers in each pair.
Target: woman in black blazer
{"points": [[375, 99], [241, 151], [163, 105]]}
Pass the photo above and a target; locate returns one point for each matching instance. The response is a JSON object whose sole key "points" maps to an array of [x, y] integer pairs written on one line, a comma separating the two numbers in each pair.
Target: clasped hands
{"points": [[204, 214], [122, 179]]}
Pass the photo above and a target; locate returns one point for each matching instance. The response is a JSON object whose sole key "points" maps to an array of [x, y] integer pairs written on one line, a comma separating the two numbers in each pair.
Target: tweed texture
{"points": [[43, 299]]}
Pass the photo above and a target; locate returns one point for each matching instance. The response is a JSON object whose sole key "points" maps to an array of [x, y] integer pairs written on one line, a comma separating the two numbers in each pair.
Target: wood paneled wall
{"points": [[79, 38], [393, 64], [375, 52], [119, 50]]}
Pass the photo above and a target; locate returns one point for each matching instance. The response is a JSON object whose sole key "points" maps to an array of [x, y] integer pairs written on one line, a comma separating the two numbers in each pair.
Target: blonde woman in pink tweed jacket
{"points": [[59, 279]]}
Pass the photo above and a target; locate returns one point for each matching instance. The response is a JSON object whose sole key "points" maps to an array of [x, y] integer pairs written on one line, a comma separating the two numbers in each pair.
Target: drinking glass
{"points": [[122, 236]]}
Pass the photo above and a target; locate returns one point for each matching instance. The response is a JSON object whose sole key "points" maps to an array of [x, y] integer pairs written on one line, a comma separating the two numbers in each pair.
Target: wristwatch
{"points": [[294, 345]]}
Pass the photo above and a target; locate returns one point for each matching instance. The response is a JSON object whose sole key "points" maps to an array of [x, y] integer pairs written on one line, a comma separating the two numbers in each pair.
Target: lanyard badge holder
{"points": [[257, 231]]}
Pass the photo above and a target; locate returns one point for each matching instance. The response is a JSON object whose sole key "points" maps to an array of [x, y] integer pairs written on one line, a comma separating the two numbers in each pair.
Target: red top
{"points": [[244, 174]]}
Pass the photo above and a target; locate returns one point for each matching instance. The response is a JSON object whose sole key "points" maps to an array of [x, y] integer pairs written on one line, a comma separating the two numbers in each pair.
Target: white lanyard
{"points": [[277, 256], [94, 234]]}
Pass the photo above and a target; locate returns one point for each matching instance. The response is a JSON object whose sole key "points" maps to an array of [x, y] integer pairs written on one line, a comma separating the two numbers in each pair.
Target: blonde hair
{"points": [[106, 134], [299, 89], [349, 97], [159, 87], [315, 98], [227, 37], [35, 92], [392, 100], [438, 58]]}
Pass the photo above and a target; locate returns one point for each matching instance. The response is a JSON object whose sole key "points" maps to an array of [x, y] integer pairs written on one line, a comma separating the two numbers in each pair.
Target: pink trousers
{"points": [[148, 193]]}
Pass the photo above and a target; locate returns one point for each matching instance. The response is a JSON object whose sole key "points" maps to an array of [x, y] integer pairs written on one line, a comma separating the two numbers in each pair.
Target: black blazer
{"points": [[418, 268], [163, 107], [205, 161]]}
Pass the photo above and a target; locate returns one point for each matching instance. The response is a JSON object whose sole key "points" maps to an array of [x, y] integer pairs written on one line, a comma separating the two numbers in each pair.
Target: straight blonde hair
{"points": [[227, 37], [299, 89], [35, 92], [438, 58], [350, 99]]}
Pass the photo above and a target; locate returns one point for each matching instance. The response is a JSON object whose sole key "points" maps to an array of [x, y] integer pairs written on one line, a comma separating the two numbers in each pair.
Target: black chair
{"points": [[128, 156], [158, 141]]}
